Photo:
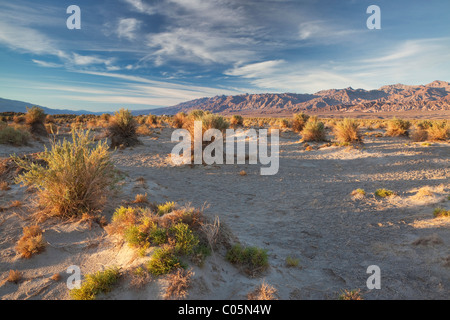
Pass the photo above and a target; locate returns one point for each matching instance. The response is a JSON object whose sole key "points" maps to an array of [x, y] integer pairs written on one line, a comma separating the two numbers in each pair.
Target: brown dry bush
{"points": [[32, 242], [34, 119], [14, 276], [397, 127], [178, 120], [122, 129], [439, 131], [178, 284], [347, 130], [299, 121]]}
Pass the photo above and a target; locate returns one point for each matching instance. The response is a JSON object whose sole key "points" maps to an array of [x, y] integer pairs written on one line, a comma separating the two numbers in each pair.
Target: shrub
{"points": [[351, 295], [236, 121], [151, 119], [292, 262], [77, 178], [14, 276], [314, 130], [179, 282], [178, 120], [122, 129], [347, 131], [441, 212], [35, 118], [283, 123], [299, 121], [166, 208], [397, 127], [99, 282], [185, 239], [15, 137], [263, 292], [439, 131], [163, 261], [419, 135], [252, 258], [383, 193], [32, 242]]}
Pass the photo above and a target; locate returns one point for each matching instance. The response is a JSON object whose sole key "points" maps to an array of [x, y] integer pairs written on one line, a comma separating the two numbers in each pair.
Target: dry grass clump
{"points": [[76, 179], [347, 131], [32, 242], [178, 284], [141, 198], [397, 127], [314, 130], [419, 135], [351, 295], [208, 121], [14, 276], [4, 186], [122, 129], [263, 292]]}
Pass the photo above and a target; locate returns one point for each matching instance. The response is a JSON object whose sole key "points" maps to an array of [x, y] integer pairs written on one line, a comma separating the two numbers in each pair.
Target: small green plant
{"points": [[163, 261], [252, 258], [383, 193], [441, 212], [292, 262], [185, 239], [99, 282], [166, 208]]}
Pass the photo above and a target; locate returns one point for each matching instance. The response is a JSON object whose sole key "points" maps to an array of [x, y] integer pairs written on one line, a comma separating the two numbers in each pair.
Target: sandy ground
{"points": [[306, 211]]}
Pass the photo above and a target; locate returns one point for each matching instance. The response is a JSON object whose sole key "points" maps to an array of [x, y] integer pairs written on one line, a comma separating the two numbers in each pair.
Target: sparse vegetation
{"points": [[292, 262], [14, 276], [178, 283], [15, 137], [298, 122], [96, 283], [163, 261], [236, 121]]}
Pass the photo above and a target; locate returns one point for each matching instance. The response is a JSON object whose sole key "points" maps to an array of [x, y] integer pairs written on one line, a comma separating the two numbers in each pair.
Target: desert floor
{"points": [[305, 211]]}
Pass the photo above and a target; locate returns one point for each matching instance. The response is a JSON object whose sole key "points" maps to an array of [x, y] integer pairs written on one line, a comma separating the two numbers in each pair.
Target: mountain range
{"points": [[434, 96]]}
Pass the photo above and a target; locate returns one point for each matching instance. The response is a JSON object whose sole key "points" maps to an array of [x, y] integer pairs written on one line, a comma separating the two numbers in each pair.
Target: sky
{"points": [[144, 54]]}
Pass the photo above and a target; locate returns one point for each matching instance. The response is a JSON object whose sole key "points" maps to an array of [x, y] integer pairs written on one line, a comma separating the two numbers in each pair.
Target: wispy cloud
{"points": [[127, 28]]}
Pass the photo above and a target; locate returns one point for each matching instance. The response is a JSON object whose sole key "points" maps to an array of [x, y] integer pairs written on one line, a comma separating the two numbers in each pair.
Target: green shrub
{"points": [[100, 282], [166, 208], [441, 212], [77, 178], [185, 239], [163, 261], [252, 258], [383, 193], [15, 137]]}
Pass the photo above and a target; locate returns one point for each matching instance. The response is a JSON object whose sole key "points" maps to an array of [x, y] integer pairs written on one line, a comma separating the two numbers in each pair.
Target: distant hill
{"points": [[20, 106], [434, 96]]}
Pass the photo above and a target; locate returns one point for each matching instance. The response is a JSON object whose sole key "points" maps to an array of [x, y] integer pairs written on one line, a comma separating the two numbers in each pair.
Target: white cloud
{"points": [[255, 70], [127, 28], [47, 64]]}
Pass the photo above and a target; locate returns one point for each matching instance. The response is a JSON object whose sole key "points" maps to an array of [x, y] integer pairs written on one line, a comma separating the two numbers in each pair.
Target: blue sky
{"points": [[142, 54]]}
